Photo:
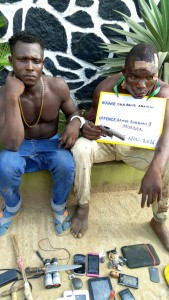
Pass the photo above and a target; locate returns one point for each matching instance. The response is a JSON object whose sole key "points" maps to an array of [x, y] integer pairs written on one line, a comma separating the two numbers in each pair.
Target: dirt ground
{"points": [[115, 220]]}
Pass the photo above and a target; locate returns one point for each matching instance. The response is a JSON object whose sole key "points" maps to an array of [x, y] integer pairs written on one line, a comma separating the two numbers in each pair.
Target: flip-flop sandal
{"points": [[62, 223], [6, 222]]}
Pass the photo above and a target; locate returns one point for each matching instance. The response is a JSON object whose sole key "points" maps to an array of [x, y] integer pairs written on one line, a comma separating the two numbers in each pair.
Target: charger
{"points": [[8, 276]]}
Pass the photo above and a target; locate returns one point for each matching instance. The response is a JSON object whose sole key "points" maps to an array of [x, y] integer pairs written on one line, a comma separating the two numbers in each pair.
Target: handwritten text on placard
{"points": [[139, 120]]}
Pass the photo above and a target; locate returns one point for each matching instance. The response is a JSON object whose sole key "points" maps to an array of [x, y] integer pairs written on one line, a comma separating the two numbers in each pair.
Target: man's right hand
{"points": [[15, 87], [91, 131]]}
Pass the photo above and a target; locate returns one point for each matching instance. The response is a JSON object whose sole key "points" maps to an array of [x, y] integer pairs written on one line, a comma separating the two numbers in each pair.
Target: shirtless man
{"points": [[29, 115], [140, 79]]}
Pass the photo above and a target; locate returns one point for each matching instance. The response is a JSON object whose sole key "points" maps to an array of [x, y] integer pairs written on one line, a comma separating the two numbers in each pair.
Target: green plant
{"points": [[154, 31], [4, 48]]}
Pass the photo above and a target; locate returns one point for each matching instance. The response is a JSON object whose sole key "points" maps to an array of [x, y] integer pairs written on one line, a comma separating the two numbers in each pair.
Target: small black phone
{"points": [[80, 259], [93, 264], [126, 295], [129, 281]]}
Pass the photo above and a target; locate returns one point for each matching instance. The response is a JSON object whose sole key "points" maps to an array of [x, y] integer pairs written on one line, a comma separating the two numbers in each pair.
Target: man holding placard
{"points": [[139, 81]]}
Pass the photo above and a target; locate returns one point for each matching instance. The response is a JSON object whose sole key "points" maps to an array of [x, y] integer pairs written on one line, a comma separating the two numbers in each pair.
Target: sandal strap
{"points": [[4, 220], [61, 218]]}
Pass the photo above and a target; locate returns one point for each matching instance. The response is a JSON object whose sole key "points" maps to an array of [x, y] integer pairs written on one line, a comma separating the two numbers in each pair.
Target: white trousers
{"points": [[86, 152]]}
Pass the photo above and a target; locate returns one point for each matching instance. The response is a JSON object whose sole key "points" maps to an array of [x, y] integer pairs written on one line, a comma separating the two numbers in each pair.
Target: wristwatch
{"points": [[81, 119]]}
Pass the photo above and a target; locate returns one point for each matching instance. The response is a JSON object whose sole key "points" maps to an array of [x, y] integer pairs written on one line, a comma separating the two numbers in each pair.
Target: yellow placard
{"points": [[139, 120]]}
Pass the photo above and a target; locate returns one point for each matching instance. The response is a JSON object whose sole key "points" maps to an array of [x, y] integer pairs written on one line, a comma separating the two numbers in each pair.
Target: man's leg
{"points": [[85, 153], [60, 163], [160, 211], [140, 159], [11, 168]]}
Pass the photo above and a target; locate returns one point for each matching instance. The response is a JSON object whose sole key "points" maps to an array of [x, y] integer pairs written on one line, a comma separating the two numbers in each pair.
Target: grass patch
{"points": [[62, 122]]}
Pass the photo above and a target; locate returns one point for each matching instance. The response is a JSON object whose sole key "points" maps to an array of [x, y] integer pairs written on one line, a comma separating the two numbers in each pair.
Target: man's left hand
{"points": [[151, 187], [69, 135]]}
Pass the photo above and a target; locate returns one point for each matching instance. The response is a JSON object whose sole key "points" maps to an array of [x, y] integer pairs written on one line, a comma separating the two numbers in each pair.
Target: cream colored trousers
{"points": [[86, 152]]}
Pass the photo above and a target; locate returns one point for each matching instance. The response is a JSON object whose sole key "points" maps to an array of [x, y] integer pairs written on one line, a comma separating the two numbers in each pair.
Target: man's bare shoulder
{"points": [[108, 84], [55, 82], [164, 90], [56, 86]]}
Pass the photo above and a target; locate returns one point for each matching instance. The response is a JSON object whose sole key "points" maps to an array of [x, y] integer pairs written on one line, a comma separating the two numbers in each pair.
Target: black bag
{"points": [[140, 255]]}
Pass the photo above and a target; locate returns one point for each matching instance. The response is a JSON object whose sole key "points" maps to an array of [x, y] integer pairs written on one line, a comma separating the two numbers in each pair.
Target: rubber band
{"points": [[154, 260]]}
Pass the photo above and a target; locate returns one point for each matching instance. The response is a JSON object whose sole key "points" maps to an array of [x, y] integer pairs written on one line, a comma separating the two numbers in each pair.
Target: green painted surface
{"points": [[110, 176], [115, 176]]}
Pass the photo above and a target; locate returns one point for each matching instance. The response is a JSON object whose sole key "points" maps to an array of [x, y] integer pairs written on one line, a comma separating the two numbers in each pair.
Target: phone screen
{"points": [[128, 280], [99, 288], [93, 264], [126, 295], [80, 259]]}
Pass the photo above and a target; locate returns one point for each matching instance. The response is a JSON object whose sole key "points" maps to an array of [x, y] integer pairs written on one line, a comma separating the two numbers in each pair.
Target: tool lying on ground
{"points": [[51, 268], [12, 291], [51, 271], [27, 290]]}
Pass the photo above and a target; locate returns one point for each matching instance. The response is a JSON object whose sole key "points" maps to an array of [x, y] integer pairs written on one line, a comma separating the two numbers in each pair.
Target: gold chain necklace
{"points": [[23, 117]]}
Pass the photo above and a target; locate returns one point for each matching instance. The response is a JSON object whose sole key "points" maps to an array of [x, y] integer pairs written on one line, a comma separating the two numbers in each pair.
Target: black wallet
{"points": [[140, 255]]}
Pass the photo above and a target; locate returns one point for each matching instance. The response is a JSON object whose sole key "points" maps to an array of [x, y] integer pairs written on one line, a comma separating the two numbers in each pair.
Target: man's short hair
{"points": [[25, 37], [142, 51]]}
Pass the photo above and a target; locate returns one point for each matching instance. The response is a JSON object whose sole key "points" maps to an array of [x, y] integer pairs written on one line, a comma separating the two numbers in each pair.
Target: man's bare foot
{"points": [[79, 222], [162, 232]]}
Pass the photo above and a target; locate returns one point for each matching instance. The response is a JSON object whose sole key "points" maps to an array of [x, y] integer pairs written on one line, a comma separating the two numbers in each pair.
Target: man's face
{"points": [[140, 76], [27, 62]]}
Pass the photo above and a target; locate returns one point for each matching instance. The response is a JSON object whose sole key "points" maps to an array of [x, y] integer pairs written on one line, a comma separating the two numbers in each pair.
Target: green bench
{"points": [[110, 176], [36, 187]]}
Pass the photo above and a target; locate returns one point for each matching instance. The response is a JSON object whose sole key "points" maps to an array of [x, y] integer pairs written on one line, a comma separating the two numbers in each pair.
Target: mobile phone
{"points": [[129, 281], [154, 274], [80, 259], [126, 295], [99, 288], [93, 264]]}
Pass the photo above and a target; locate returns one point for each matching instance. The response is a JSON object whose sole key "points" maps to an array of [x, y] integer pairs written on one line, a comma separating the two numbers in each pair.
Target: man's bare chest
{"points": [[46, 110]]}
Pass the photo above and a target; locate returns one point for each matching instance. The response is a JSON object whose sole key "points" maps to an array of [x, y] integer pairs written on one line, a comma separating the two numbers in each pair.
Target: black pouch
{"points": [[140, 255]]}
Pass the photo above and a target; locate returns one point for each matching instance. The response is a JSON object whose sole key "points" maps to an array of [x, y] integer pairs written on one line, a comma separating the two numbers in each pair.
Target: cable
{"points": [[52, 248]]}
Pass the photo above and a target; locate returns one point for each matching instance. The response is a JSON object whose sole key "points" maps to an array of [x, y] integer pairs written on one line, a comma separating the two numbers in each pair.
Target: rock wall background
{"points": [[73, 31]]}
